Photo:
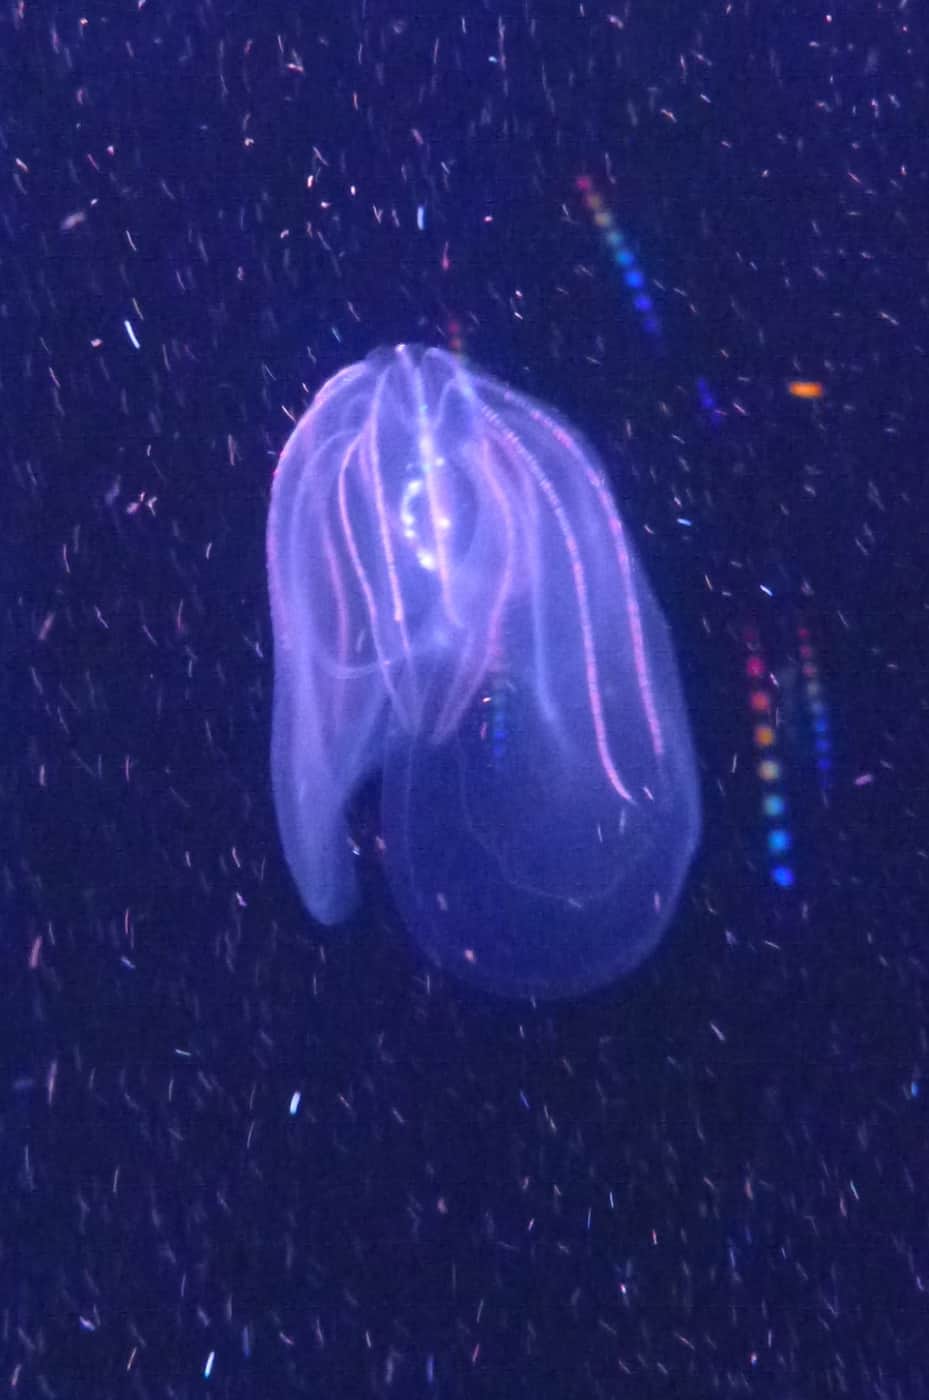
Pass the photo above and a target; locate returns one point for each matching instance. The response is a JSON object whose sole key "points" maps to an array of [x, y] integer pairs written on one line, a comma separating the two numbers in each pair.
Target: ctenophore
{"points": [[457, 606]]}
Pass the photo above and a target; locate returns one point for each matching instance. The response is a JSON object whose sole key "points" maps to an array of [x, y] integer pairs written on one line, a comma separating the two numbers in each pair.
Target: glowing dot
{"points": [[805, 389]]}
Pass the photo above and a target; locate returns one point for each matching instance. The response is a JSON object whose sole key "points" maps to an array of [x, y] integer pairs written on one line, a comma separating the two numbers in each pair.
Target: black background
{"points": [[708, 1180]]}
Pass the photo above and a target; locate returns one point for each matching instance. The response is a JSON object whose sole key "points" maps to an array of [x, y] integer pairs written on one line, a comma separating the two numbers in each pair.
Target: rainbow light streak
{"points": [[816, 708], [624, 259], [768, 766]]}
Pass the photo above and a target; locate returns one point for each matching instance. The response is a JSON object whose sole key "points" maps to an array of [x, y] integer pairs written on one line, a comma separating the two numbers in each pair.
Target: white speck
{"points": [[131, 334]]}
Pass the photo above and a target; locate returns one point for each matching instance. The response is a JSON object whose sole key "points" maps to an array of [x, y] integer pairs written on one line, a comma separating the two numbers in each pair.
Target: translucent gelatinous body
{"points": [[455, 602]]}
